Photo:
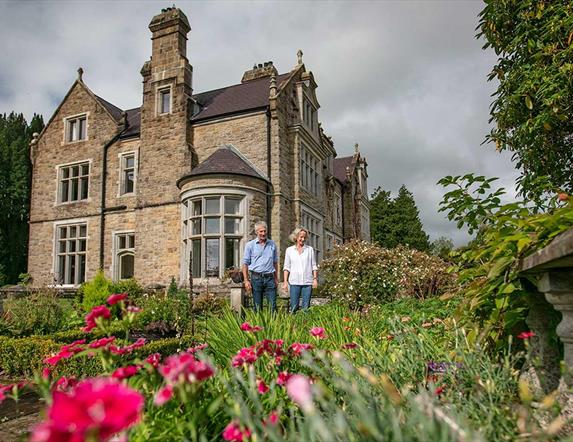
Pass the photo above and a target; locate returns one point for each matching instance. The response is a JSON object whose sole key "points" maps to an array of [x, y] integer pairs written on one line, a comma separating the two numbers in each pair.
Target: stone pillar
{"points": [[237, 296], [557, 285]]}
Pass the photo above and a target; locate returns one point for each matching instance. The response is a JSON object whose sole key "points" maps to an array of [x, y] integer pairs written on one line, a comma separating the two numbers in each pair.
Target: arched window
{"points": [[213, 231], [124, 262]]}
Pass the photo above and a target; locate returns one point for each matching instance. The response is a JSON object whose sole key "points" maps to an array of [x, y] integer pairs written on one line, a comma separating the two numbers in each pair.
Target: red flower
{"points": [[115, 298], [300, 391], [101, 311], [163, 395], [350, 345], [283, 377], [65, 384], [262, 387], [297, 348], [273, 419], [197, 348], [66, 351], [438, 391], [244, 356], [95, 409], [563, 196], [232, 432], [125, 372], [153, 359], [318, 332], [102, 342], [245, 326], [46, 372], [185, 368], [3, 390], [128, 348], [526, 335]]}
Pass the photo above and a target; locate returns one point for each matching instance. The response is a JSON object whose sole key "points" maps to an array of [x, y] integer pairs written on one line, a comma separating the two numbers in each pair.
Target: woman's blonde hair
{"points": [[294, 235]]}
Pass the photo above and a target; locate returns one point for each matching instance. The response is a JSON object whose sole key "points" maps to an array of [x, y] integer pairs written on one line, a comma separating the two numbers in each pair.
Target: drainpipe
{"points": [[106, 147], [269, 198]]}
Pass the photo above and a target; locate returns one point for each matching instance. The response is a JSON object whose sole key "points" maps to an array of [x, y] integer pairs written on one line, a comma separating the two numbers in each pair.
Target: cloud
{"points": [[407, 80]]}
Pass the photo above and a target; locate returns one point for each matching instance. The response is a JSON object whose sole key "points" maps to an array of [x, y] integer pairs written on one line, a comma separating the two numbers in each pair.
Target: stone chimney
{"points": [[261, 70]]}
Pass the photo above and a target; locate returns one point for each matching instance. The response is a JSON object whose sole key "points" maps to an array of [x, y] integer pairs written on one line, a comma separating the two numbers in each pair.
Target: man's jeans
{"points": [[295, 293], [264, 285]]}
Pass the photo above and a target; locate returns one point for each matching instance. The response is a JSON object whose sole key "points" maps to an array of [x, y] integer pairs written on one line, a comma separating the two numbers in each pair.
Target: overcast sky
{"points": [[404, 79]]}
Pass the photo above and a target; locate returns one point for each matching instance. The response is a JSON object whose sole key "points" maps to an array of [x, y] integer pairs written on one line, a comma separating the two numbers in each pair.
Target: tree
{"points": [[15, 178], [533, 104], [395, 222], [442, 247]]}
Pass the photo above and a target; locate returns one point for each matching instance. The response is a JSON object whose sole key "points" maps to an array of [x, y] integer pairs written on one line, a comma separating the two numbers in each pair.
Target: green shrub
{"points": [[95, 292], [172, 290], [38, 314], [129, 286], [163, 315], [208, 304], [21, 357]]}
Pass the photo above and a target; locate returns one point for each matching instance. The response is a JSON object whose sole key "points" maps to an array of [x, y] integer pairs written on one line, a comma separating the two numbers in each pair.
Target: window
{"points": [[312, 224], [71, 242], [164, 100], [213, 228], [309, 171], [76, 128], [124, 263], [73, 182], [127, 179]]}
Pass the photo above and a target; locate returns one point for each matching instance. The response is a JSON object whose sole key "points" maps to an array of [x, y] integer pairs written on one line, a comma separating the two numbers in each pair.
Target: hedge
{"points": [[21, 357]]}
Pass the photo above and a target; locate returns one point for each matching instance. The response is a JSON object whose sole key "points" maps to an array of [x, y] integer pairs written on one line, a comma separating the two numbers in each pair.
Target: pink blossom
{"points": [[300, 391], [350, 345], [197, 348], [133, 309], [153, 359], [125, 372], [185, 368], [101, 311], [283, 377], [46, 372], [232, 432], [117, 297], [65, 383], [262, 387], [526, 335], [163, 395], [297, 348], [101, 342], [244, 356], [271, 347], [318, 332], [95, 409], [128, 348], [3, 390], [245, 326], [273, 419], [66, 351]]}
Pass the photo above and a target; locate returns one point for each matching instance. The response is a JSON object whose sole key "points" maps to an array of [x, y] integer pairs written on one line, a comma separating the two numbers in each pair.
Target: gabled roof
{"points": [[133, 122], [225, 161], [340, 165], [115, 111]]}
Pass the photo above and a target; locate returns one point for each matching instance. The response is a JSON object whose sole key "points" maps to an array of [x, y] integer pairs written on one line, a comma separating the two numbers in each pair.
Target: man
{"points": [[261, 268]]}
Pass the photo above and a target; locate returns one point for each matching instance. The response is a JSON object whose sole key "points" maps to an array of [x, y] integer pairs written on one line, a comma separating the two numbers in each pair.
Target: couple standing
{"points": [[261, 269]]}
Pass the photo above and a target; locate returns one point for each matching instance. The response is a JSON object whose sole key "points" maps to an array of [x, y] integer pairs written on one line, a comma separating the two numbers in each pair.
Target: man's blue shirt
{"points": [[259, 258]]}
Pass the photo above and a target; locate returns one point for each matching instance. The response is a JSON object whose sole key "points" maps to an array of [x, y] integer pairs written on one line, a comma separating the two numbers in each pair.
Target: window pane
{"points": [[72, 130], [72, 269], [212, 205], [83, 229], [82, 243], [165, 101], [231, 252], [82, 133], [64, 191], [212, 225], [84, 188], [82, 269], [121, 240], [196, 246], [61, 247], [71, 246], [196, 208], [65, 172], [196, 226], [232, 225], [129, 161], [61, 269], [74, 194], [232, 206], [212, 257], [126, 266], [85, 168], [73, 231], [129, 181], [131, 241], [75, 170]]}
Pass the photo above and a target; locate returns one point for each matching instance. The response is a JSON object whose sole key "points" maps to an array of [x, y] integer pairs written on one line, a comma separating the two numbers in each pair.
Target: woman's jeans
{"points": [[295, 293]]}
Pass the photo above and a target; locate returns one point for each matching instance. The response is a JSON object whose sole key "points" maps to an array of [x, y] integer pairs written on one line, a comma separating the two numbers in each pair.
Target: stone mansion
{"points": [[137, 192]]}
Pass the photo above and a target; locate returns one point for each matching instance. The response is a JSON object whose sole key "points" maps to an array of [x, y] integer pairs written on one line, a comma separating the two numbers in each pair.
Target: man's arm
{"points": [[276, 264], [246, 262]]}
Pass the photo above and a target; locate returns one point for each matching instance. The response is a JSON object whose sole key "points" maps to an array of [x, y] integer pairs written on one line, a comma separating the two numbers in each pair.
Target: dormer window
{"points": [[76, 128], [164, 100]]}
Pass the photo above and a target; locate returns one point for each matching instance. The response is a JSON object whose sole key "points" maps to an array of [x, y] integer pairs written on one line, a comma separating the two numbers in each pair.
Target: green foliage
{"points": [[15, 179], [396, 222], [172, 290], [533, 108], [129, 286], [163, 315], [96, 291], [493, 288], [41, 313], [442, 247]]}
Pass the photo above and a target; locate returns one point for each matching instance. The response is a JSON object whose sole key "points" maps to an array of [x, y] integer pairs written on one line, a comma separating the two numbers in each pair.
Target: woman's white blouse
{"points": [[300, 266]]}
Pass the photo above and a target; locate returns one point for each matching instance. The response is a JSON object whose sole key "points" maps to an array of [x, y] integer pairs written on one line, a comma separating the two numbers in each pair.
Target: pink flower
{"points": [[318, 332], [185, 368], [300, 391], [526, 335], [133, 309], [65, 383], [271, 347], [128, 348], [232, 432], [95, 409], [283, 377], [102, 342], [115, 298], [244, 356], [297, 348], [46, 372], [3, 390], [273, 419], [66, 351], [101, 311], [125, 372], [153, 359], [438, 391], [350, 345], [245, 326], [163, 395], [262, 387], [197, 348]]}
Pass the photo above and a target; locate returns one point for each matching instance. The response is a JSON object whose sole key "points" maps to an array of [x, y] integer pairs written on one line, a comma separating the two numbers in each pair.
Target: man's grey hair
{"points": [[260, 224]]}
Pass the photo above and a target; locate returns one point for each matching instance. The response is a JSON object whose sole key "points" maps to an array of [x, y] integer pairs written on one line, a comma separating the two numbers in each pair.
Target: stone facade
{"points": [[154, 191]]}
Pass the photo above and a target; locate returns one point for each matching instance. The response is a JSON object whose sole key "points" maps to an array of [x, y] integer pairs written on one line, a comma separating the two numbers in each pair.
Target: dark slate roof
{"points": [[224, 161], [340, 165], [112, 109], [133, 122], [237, 98]]}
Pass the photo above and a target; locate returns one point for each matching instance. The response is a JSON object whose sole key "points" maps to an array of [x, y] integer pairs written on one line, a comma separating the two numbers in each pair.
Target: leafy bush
{"points": [[163, 315], [129, 286], [40, 314], [95, 292], [208, 304]]}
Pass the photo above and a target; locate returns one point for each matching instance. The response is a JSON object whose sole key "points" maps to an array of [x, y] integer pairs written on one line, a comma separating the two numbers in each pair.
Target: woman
{"points": [[300, 270]]}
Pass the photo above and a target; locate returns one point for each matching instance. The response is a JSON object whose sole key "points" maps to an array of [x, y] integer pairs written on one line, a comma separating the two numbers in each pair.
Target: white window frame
{"points": [[159, 103], [314, 224], [67, 127], [59, 183], [60, 282], [310, 170], [118, 252], [122, 167], [188, 236]]}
